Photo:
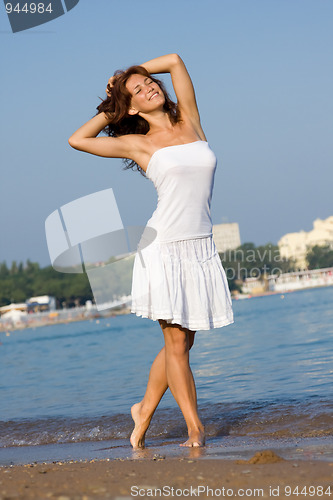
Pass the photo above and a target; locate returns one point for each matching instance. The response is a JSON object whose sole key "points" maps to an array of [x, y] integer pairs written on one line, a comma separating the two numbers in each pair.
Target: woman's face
{"points": [[146, 95]]}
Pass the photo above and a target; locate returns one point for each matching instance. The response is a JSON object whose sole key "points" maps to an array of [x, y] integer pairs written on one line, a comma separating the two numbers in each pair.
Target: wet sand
{"points": [[264, 475]]}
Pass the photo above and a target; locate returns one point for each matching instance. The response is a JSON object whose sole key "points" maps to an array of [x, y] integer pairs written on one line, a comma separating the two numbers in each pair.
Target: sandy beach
{"points": [[264, 475]]}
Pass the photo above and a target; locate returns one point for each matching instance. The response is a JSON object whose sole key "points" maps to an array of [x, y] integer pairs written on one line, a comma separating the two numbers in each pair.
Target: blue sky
{"points": [[263, 75]]}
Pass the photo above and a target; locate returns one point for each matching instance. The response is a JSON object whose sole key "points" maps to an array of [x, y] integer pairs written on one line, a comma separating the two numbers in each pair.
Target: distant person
{"points": [[178, 278]]}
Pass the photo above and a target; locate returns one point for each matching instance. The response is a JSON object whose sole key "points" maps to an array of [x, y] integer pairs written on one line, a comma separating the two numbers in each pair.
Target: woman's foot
{"points": [[195, 440], [137, 438]]}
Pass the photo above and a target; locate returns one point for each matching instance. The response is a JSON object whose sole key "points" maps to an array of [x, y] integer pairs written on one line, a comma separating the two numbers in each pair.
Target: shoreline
{"points": [[51, 319], [243, 296], [229, 448]]}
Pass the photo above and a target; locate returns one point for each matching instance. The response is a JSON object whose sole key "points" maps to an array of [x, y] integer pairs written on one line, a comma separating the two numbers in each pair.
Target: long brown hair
{"points": [[116, 107]]}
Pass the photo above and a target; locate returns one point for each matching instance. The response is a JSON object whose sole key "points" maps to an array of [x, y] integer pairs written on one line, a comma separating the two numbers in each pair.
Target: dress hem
{"points": [[192, 325]]}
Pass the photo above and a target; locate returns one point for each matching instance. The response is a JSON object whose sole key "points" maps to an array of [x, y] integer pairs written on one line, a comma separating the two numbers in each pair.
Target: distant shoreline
{"points": [[52, 318], [242, 296], [82, 314]]}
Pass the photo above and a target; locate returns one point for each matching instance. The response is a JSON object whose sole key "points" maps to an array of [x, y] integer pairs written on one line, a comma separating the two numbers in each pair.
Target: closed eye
{"points": [[138, 89]]}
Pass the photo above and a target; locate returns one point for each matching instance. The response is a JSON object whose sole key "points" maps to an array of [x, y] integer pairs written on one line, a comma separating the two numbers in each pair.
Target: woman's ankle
{"points": [[144, 412], [196, 429]]}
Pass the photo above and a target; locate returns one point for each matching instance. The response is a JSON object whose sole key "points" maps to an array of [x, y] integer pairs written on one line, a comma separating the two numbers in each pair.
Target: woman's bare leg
{"points": [[180, 380], [143, 411]]}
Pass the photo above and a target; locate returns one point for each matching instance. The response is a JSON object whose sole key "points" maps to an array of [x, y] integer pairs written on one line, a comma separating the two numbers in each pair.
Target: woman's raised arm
{"points": [[85, 139], [181, 81]]}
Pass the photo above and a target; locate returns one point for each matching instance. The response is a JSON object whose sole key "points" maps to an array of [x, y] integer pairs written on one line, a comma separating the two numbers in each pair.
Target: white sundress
{"points": [[177, 273]]}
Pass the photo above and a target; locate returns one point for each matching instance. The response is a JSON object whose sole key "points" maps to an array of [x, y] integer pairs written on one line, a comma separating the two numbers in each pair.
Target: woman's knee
{"points": [[176, 344], [176, 341]]}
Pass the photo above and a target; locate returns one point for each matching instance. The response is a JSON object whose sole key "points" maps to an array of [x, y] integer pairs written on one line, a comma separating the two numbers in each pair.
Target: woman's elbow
{"points": [[176, 59], [73, 142]]}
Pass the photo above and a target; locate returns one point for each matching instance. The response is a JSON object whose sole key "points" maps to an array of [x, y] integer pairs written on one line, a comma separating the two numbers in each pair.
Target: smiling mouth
{"points": [[155, 94]]}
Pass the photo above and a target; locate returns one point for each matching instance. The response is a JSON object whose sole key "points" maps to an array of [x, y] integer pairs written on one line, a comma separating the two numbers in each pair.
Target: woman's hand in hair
{"points": [[109, 86]]}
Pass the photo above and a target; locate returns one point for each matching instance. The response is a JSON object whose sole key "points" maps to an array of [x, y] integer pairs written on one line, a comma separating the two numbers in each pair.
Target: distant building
{"points": [[41, 303], [254, 286], [22, 307], [296, 245], [226, 236]]}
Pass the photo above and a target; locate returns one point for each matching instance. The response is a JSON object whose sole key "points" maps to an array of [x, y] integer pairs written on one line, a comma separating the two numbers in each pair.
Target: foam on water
{"points": [[288, 420]]}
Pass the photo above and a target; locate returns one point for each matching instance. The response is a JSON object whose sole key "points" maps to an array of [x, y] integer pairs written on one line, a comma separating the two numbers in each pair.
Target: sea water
{"points": [[269, 376]]}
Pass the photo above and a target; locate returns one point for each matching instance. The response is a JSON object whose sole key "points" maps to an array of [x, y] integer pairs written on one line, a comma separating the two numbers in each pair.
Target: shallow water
{"points": [[268, 376]]}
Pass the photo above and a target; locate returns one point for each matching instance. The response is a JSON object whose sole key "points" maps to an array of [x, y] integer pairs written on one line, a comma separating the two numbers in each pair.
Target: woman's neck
{"points": [[158, 122]]}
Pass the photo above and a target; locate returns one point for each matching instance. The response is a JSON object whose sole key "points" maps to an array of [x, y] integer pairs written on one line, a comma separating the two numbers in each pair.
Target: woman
{"points": [[178, 279]]}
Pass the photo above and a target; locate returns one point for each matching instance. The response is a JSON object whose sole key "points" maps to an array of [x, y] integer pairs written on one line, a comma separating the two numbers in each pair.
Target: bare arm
{"points": [[181, 81], [85, 139]]}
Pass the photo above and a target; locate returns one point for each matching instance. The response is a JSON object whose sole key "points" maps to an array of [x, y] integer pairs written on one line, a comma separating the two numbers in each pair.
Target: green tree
{"points": [[14, 268], [21, 282], [319, 257], [4, 271]]}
